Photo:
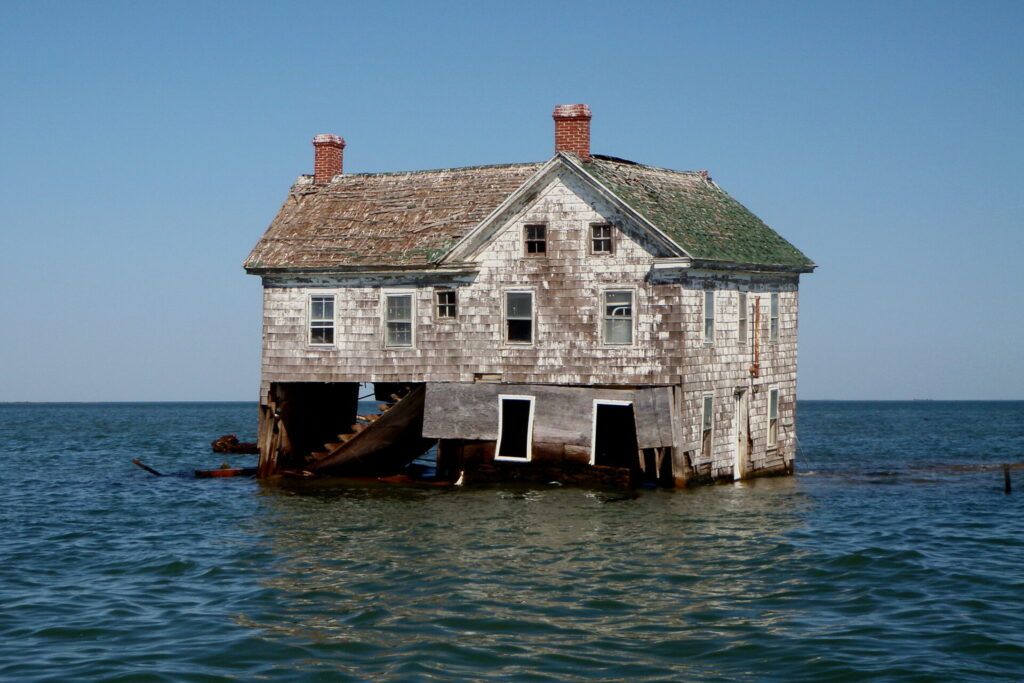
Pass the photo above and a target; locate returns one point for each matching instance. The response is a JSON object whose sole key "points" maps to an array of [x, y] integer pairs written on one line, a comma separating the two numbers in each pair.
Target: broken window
{"points": [[774, 329], [773, 418], [709, 316], [321, 319], [398, 320], [515, 428], [618, 317], [707, 423], [536, 240], [742, 322], [446, 308], [519, 317], [601, 239]]}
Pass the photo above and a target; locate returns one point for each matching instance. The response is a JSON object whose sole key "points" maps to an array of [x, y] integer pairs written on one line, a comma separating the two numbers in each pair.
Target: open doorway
{"points": [[515, 428], [613, 441]]}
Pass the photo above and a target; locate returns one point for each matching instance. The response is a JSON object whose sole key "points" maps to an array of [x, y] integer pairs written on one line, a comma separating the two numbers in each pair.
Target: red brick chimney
{"points": [[328, 151], [572, 129]]}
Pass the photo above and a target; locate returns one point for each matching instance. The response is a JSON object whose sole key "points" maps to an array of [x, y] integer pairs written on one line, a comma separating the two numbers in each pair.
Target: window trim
{"points": [[526, 240], [309, 321], [504, 317], [611, 240], [384, 294], [743, 315], [437, 304], [601, 316], [774, 304], [711, 428], [593, 422], [529, 427], [708, 341], [770, 444]]}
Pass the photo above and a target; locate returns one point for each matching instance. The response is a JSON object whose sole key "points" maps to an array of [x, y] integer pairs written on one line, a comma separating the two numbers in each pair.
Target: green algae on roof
{"points": [[697, 214]]}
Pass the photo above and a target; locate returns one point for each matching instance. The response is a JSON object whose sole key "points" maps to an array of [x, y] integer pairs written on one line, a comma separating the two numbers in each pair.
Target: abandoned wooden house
{"points": [[585, 318]]}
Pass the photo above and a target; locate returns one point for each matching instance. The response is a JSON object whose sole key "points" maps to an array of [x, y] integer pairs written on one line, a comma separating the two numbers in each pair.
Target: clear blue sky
{"points": [[146, 146]]}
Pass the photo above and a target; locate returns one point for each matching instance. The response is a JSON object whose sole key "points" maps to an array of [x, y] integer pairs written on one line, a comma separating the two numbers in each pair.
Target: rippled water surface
{"points": [[894, 554]]}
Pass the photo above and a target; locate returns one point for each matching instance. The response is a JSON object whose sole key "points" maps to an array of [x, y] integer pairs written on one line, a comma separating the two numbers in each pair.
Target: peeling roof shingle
{"points": [[415, 218], [383, 219]]}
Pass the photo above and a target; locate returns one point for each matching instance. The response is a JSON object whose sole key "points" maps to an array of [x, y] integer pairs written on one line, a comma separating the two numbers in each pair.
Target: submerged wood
{"points": [[229, 443], [139, 463], [226, 472]]}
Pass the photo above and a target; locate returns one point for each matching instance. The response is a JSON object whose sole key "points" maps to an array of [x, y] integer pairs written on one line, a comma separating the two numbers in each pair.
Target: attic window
{"points": [[446, 304], [601, 239], [536, 240], [321, 320]]}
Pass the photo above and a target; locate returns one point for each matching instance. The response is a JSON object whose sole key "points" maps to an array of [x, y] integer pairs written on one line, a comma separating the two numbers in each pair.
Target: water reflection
{"points": [[528, 573]]}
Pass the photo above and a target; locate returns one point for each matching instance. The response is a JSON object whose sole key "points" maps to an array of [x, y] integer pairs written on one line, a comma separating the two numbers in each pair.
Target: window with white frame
{"points": [[398, 319], [536, 239], [707, 424], [601, 239], [773, 418], [774, 329], [742, 318], [618, 316], [519, 317], [446, 304], [321, 319], [709, 316]]}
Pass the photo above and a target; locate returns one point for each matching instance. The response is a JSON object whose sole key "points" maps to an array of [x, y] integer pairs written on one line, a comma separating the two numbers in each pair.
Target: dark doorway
{"points": [[515, 428], [615, 436]]}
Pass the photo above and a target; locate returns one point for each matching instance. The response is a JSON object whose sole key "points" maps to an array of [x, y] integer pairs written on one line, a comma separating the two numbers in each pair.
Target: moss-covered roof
{"points": [[696, 214]]}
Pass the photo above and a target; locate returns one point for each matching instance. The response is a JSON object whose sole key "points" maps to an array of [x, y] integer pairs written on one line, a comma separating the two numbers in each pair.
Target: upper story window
{"points": [[774, 329], [398, 319], [707, 424], [536, 240], [709, 316], [321, 319], [742, 323], [601, 239], [618, 317], [519, 317], [773, 418], [447, 308]]}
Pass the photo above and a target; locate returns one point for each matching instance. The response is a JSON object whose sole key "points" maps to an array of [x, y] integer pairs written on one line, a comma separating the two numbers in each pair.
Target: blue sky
{"points": [[145, 147]]}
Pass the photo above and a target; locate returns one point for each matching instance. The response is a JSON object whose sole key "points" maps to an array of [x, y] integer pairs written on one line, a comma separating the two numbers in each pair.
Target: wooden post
{"points": [[1007, 488]]}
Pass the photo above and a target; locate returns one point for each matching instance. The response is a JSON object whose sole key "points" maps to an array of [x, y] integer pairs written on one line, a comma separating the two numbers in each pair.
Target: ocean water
{"points": [[892, 555]]}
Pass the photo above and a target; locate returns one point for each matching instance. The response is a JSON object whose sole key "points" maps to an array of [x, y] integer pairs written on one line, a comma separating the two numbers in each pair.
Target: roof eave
{"points": [[715, 264]]}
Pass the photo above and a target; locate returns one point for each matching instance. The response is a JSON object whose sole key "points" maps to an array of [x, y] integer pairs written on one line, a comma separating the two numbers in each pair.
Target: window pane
{"points": [[399, 334], [399, 307], [519, 305], [709, 404], [709, 329], [618, 331], [321, 335], [520, 330], [773, 404], [709, 304], [775, 305]]}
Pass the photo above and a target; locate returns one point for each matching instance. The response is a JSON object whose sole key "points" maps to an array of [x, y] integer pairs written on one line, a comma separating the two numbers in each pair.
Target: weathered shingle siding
{"points": [[567, 285], [721, 368]]}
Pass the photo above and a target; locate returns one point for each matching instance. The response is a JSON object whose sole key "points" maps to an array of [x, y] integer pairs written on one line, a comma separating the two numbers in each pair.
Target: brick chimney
{"points": [[328, 151], [572, 129]]}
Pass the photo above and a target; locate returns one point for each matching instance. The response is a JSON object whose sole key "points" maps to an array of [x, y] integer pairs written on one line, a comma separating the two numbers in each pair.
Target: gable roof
{"points": [[696, 214], [415, 219], [382, 219]]}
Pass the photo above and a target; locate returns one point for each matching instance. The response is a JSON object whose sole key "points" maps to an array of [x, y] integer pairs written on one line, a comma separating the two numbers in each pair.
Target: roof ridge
{"points": [[433, 170], [637, 164]]}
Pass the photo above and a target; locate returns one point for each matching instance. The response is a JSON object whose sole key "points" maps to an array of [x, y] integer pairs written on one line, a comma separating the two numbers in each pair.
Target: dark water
{"points": [[892, 556]]}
